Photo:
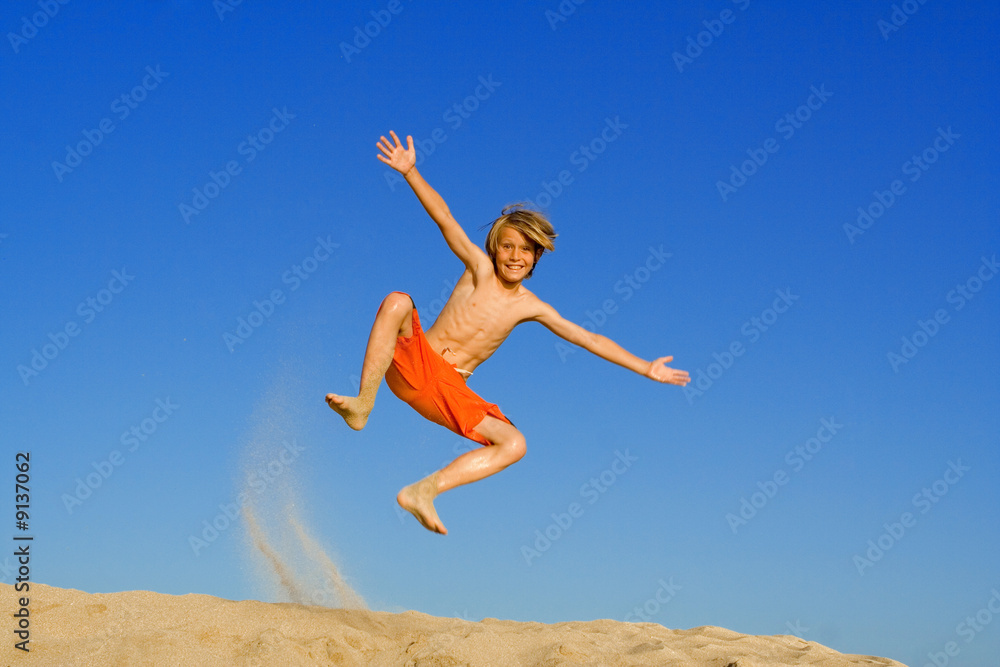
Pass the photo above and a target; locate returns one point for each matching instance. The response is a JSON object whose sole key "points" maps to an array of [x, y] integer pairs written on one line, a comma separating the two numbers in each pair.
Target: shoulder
{"points": [[534, 309]]}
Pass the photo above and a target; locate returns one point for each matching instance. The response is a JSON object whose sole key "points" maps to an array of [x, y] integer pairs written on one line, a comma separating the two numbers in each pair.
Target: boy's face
{"points": [[516, 254]]}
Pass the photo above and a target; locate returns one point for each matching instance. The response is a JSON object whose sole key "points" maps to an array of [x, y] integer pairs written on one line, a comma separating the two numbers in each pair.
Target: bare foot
{"points": [[418, 500], [354, 412]]}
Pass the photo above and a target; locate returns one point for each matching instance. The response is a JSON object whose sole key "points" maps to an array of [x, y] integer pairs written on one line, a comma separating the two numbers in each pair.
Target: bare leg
{"points": [[508, 447], [394, 319]]}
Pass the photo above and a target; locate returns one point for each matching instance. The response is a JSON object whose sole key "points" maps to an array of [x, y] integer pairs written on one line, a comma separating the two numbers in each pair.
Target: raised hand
{"points": [[659, 371], [399, 158]]}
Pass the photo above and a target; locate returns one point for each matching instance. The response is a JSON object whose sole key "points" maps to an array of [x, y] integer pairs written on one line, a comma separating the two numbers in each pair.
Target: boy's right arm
{"points": [[403, 160]]}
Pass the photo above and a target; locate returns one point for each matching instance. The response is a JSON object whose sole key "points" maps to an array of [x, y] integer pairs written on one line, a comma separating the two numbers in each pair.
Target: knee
{"points": [[397, 302], [515, 447]]}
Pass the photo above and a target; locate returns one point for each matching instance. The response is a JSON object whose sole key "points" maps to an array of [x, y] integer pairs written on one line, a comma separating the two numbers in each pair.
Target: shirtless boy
{"points": [[428, 369]]}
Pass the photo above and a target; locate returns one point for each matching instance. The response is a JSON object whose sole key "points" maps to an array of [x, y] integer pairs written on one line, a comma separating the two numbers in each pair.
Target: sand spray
{"points": [[286, 560], [259, 540], [349, 599]]}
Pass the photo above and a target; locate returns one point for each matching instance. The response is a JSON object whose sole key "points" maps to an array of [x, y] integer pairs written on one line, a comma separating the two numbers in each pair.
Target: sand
{"points": [[135, 628]]}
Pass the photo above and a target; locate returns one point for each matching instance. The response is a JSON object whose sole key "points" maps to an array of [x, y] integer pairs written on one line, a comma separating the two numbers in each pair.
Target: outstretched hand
{"points": [[393, 154], [659, 371]]}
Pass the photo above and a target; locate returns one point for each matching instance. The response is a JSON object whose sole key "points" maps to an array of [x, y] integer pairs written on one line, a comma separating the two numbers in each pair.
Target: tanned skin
{"points": [[485, 306]]}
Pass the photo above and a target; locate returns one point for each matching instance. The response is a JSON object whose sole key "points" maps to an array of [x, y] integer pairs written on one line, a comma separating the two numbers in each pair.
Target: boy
{"points": [[428, 369]]}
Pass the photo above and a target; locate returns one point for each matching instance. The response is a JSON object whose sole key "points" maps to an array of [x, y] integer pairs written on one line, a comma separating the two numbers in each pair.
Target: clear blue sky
{"points": [[218, 159]]}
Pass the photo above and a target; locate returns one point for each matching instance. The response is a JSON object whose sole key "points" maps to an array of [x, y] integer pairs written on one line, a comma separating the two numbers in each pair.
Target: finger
{"points": [[409, 143], [395, 138]]}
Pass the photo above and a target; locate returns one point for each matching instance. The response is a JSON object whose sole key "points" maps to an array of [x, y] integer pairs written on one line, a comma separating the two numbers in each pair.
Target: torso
{"points": [[477, 319]]}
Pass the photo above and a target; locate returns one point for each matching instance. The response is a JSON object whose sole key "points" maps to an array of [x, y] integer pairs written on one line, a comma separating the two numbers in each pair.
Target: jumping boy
{"points": [[428, 369]]}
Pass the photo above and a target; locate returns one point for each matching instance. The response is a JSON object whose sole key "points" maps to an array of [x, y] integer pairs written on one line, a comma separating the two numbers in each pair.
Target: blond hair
{"points": [[532, 224]]}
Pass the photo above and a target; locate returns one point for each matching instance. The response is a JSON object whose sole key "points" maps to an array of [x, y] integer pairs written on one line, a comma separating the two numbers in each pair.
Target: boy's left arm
{"points": [[606, 348]]}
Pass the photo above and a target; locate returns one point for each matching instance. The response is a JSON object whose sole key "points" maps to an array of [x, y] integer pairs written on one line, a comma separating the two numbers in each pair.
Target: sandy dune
{"points": [[135, 628]]}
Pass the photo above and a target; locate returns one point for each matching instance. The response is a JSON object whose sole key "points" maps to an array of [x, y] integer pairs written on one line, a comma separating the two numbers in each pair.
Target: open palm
{"points": [[659, 371], [393, 154]]}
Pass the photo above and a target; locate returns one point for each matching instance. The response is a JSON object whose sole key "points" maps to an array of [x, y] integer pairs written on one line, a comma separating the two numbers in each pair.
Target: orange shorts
{"points": [[421, 377]]}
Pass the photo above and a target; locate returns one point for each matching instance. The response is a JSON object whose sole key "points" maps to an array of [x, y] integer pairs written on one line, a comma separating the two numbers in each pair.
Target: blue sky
{"points": [[171, 168]]}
